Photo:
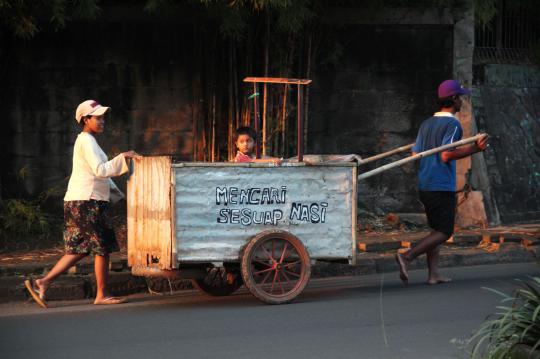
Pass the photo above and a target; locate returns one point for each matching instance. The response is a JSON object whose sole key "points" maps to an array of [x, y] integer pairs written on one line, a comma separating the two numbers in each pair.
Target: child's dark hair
{"points": [[447, 102], [245, 131]]}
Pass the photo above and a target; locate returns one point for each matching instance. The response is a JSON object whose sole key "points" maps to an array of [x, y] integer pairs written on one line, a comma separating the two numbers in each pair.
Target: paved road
{"points": [[362, 317]]}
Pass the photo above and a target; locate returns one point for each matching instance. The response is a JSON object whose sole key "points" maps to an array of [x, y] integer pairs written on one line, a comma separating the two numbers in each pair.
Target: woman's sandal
{"points": [[36, 293], [110, 300]]}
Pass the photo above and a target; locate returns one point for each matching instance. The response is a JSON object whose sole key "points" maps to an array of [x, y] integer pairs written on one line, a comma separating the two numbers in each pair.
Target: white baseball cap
{"points": [[89, 107]]}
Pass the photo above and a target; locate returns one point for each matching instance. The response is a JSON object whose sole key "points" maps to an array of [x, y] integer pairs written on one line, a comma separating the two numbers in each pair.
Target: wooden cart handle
{"points": [[363, 161], [417, 156]]}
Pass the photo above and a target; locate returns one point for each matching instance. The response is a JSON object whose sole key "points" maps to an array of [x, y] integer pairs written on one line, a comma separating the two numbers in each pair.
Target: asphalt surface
{"points": [[357, 317]]}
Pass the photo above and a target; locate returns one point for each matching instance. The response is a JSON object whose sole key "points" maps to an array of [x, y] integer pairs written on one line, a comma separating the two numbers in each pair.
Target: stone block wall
{"points": [[373, 101], [507, 106], [141, 70]]}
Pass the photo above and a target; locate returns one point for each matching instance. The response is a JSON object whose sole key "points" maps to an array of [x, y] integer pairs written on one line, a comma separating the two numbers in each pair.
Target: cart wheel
{"points": [[219, 282], [275, 266]]}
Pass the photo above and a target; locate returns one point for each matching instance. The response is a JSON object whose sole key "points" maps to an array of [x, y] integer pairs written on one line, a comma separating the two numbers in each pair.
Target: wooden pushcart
{"points": [[228, 224]]}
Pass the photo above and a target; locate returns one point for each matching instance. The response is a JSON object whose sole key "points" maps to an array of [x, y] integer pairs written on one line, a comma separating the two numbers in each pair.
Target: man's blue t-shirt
{"points": [[435, 175]]}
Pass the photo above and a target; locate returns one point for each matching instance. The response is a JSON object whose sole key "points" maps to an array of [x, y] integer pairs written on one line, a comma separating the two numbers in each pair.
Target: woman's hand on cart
{"points": [[132, 154], [277, 161]]}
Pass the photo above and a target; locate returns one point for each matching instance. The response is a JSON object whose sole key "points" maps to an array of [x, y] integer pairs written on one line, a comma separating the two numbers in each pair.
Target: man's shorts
{"points": [[440, 210]]}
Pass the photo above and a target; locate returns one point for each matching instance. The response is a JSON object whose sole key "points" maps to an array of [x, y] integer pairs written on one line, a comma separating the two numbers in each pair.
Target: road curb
{"points": [[80, 282]]}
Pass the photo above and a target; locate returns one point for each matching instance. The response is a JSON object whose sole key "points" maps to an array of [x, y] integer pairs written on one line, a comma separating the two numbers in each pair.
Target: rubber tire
{"points": [[216, 291], [246, 266]]}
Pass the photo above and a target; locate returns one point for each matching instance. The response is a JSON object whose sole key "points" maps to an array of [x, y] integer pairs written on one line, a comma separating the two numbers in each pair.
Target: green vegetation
{"points": [[22, 16], [21, 218], [517, 321], [25, 18], [23, 222], [25, 226]]}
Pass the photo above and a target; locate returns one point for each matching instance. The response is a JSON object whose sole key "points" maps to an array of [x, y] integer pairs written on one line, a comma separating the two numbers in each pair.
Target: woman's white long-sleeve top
{"points": [[90, 177]]}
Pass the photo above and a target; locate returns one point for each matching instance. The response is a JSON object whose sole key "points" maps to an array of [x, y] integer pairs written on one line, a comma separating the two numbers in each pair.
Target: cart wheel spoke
{"points": [[283, 253], [280, 283], [293, 274], [267, 253], [262, 271], [263, 263], [274, 282], [266, 278], [287, 279], [291, 264]]}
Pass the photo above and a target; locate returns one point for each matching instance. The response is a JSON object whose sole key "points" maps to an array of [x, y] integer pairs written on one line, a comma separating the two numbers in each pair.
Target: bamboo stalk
{"points": [[237, 109], [419, 156], [282, 120], [386, 154], [306, 103], [213, 149], [231, 105], [264, 120], [265, 88]]}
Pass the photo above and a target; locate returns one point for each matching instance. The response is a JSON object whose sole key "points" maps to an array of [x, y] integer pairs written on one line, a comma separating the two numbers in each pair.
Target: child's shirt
{"points": [[242, 157]]}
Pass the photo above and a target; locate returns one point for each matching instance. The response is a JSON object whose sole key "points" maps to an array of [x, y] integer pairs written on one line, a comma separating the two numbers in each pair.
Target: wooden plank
{"points": [[277, 80], [149, 214]]}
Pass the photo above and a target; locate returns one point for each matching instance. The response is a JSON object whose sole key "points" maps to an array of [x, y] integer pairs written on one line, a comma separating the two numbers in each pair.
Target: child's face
{"points": [[245, 143]]}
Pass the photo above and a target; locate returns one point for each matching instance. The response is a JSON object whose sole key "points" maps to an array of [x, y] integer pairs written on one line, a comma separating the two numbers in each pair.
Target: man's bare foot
{"points": [[439, 280], [403, 264]]}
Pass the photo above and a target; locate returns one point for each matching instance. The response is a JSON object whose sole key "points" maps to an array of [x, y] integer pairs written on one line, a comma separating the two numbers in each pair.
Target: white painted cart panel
{"points": [[217, 209]]}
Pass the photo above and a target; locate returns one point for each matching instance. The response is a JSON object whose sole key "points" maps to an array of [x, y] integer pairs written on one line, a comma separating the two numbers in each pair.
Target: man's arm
{"points": [[479, 146]]}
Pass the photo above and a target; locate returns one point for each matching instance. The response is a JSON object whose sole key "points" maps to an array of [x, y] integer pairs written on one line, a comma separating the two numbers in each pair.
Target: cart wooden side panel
{"points": [[150, 227]]}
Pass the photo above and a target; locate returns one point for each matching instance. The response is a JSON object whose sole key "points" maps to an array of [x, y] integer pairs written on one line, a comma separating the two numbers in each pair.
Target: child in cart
{"points": [[245, 139]]}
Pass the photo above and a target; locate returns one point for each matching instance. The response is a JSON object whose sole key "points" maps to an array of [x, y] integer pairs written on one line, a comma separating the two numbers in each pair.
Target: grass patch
{"points": [[24, 226]]}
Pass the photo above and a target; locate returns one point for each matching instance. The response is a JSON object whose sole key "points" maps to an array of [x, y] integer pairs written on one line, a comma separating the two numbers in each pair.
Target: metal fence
{"points": [[511, 35]]}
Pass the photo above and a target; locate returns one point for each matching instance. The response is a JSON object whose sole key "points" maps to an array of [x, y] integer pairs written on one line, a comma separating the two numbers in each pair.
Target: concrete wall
{"points": [[507, 106]]}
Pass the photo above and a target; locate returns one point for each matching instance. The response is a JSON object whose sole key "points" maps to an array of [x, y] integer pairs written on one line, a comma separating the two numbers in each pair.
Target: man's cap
{"points": [[89, 107], [451, 88]]}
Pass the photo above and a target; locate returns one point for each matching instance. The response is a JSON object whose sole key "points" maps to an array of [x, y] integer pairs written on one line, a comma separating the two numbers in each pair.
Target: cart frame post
{"points": [[256, 119], [300, 141], [300, 109]]}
